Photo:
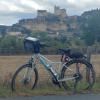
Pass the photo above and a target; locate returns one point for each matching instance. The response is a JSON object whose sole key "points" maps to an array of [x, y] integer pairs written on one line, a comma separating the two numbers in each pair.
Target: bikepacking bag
{"points": [[32, 45]]}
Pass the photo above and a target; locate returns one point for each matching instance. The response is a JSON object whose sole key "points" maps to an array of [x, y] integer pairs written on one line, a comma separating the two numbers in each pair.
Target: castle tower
{"points": [[63, 13], [60, 12], [42, 13], [56, 10]]}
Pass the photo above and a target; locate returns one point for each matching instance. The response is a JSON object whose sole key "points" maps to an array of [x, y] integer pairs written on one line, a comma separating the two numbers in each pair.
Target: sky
{"points": [[13, 10]]}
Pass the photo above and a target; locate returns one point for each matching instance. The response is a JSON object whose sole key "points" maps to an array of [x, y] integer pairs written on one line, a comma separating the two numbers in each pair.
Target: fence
{"points": [[4, 51]]}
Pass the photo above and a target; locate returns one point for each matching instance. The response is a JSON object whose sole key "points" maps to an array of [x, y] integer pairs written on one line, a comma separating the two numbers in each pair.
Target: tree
{"points": [[91, 26], [89, 38], [11, 44]]}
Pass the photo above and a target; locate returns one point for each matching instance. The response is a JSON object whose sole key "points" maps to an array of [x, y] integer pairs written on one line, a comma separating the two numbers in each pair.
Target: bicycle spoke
{"points": [[82, 73], [24, 79]]}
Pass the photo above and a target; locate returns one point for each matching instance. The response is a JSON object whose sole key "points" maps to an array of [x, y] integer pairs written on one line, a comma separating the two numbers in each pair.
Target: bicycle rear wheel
{"points": [[25, 78], [80, 75]]}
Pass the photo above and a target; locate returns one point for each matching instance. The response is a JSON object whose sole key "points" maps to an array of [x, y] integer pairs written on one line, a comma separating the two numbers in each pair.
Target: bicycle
{"points": [[29, 73]]}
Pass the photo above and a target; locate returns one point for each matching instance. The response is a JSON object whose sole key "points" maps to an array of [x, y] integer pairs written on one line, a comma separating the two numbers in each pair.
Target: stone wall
{"points": [[57, 26], [45, 26], [36, 26]]}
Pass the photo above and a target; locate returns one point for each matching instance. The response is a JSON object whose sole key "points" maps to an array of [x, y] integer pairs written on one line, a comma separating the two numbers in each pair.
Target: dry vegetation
{"points": [[96, 62], [9, 64]]}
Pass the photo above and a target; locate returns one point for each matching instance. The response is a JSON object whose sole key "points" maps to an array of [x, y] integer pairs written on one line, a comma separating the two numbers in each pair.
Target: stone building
{"points": [[42, 13], [57, 26], [60, 12]]}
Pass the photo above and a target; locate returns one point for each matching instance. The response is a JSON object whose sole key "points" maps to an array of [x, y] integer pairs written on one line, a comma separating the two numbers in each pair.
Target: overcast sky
{"points": [[13, 10]]}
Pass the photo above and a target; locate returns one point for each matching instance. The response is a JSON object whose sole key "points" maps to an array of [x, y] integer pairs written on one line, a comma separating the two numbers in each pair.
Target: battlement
{"points": [[57, 11], [42, 13]]}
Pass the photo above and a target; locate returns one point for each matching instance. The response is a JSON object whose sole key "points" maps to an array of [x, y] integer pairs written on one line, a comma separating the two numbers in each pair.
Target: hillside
{"points": [[59, 21], [3, 30], [48, 22]]}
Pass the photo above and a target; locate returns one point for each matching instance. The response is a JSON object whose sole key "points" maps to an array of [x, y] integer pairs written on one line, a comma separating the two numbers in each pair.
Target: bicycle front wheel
{"points": [[25, 78], [78, 75]]}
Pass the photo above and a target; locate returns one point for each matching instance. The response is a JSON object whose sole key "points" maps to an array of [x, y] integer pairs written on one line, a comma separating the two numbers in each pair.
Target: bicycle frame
{"points": [[48, 64]]}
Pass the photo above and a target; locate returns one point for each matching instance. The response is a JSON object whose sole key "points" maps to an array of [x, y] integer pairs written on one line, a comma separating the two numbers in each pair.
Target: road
{"points": [[56, 97]]}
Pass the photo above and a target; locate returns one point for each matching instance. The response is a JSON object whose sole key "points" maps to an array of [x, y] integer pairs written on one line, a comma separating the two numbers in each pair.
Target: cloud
{"points": [[82, 4], [31, 4], [12, 18], [8, 20], [6, 5], [13, 10]]}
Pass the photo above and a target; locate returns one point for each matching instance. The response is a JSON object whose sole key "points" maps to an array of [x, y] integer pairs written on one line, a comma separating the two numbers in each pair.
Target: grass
{"points": [[6, 92], [47, 89]]}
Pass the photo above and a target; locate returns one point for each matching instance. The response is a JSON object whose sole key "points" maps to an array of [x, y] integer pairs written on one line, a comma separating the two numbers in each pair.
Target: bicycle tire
{"points": [[13, 81], [88, 66]]}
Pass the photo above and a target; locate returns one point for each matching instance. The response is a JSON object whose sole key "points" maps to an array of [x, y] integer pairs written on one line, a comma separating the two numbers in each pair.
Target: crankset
{"points": [[55, 81]]}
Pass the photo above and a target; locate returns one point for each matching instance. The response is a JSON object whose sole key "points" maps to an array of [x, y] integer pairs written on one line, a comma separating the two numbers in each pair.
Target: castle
{"points": [[46, 21], [57, 12], [56, 22]]}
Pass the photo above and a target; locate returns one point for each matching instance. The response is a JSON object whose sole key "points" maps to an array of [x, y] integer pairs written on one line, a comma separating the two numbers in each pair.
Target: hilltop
{"points": [[57, 22]]}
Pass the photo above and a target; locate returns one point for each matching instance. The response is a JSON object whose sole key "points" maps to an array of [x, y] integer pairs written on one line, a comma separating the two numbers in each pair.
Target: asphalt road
{"points": [[54, 97]]}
